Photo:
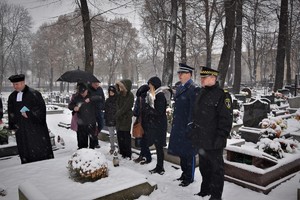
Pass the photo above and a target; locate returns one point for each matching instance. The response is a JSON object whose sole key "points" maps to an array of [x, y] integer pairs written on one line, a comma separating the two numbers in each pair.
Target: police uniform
{"points": [[179, 144], [212, 122]]}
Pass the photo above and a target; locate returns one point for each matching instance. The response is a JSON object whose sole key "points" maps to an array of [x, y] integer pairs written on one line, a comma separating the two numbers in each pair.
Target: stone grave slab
{"points": [[122, 182], [262, 173], [294, 102]]}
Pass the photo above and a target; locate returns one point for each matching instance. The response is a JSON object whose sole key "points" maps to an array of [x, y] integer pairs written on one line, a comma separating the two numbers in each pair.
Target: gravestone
{"points": [[255, 112], [240, 97], [285, 92], [270, 97], [294, 102]]}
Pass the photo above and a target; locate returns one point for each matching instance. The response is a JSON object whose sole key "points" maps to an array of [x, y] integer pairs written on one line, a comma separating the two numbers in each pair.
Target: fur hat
{"points": [[155, 81]]}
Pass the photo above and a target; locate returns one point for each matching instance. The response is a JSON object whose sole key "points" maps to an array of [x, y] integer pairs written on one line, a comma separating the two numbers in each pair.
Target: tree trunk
{"points": [[238, 48], [283, 23], [183, 35], [88, 40], [228, 37], [288, 47], [167, 77]]}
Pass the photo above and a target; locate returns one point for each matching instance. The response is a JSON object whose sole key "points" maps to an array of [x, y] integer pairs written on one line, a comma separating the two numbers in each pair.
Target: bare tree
{"points": [[167, 77], [15, 23], [88, 40]]}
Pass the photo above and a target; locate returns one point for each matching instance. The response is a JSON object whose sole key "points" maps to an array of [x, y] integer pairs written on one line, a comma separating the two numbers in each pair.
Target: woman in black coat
{"points": [[145, 154], [155, 113]]}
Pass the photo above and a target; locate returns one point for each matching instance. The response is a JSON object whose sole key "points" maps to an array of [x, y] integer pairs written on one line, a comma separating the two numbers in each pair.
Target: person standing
{"points": [[155, 111], [179, 144], [27, 116], [110, 110], [145, 154], [86, 113], [97, 97], [211, 125], [124, 115]]}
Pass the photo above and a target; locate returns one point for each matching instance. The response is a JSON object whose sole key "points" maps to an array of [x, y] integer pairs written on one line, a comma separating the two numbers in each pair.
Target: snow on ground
{"points": [[12, 174]]}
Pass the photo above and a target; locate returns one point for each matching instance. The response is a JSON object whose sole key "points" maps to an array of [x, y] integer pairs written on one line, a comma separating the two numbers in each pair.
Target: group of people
{"points": [[202, 121]]}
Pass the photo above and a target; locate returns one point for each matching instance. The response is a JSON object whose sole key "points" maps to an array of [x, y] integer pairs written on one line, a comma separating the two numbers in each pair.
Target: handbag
{"points": [[137, 130]]}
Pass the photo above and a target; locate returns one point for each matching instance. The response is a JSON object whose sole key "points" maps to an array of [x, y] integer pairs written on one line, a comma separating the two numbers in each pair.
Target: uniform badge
{"points": [[228, 103]]}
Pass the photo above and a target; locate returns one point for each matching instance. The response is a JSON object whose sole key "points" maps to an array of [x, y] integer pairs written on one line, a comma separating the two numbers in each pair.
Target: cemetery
{"points": [[270, 131], [258, 121]]}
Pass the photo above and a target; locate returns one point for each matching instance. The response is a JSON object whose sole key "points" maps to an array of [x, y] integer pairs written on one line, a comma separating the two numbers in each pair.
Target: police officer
{"points": [[179, 144], [211, 125]]}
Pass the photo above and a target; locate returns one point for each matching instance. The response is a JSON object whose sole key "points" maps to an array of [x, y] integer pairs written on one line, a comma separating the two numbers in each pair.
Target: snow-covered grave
{"points": [[121, 183]]}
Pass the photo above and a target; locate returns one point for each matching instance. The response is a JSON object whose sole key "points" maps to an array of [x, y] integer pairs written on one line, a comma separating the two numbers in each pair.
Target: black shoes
{"points": [[155, 170], [181, 178], [203, 194], [145, 162], [185, 183], [139, 159]]}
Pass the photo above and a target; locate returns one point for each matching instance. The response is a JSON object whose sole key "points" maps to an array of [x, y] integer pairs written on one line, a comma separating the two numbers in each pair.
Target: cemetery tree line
{"points": [[257, 40]]}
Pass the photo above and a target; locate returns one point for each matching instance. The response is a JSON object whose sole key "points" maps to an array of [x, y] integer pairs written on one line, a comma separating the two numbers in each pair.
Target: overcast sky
{"points": [[43, 11]]}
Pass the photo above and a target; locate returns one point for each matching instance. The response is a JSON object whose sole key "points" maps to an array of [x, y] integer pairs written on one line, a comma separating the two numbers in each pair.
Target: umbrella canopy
{"points": [[77, 75]]}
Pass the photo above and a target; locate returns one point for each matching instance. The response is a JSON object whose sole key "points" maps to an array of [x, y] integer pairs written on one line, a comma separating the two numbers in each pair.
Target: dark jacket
{"points": [[32, 133], [156, 118], [110, 110], [180, 144], [87, 111], [212, 118], [1, 109], [124, 106], [97, 96]]}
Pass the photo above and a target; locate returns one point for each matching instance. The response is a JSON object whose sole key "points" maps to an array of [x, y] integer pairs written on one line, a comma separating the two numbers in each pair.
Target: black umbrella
{"points": [[77, 75]]}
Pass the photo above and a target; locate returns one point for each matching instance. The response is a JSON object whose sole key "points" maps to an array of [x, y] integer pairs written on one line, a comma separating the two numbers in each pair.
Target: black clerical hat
{"points": [[17, 78]]}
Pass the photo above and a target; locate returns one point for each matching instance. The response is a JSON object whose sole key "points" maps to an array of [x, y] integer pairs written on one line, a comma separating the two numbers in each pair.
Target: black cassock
{"points": [[32, 133]]}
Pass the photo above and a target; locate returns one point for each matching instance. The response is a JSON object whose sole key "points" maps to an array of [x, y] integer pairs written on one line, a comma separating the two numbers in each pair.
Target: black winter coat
{"points": [[97, 97], [110, 110], [155, 119], [87, 111], [212, 118]]}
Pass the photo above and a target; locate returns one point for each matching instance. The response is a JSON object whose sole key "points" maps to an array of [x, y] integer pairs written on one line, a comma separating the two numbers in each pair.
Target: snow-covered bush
{"points": [[87, 165]]}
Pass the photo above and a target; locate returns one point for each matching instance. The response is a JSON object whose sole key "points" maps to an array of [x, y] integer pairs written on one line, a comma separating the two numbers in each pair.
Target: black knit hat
{"points": [[155, 81], [113, 89], [142, 90], [82, 87]]}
